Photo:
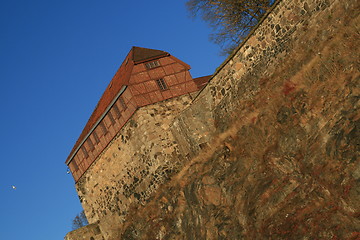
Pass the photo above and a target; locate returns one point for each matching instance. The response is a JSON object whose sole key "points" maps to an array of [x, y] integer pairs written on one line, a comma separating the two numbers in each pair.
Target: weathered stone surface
{"points": [[268, 150], [89, 232], [136, 162], [281, 160]]}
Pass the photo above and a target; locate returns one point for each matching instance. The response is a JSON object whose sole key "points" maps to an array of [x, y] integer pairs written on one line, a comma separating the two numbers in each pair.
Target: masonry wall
{"points": [[142, 156], [104, 132], [269, 149], [90, 232], [275, 151]]}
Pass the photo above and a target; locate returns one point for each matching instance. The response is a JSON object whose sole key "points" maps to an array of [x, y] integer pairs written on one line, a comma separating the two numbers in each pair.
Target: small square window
{"points": [[73, 165], [96, 137], [162, 85], [84, 151], [153, 64], [117, 111], [103, 128], [90, 143], [122, 103], [111, 118]]}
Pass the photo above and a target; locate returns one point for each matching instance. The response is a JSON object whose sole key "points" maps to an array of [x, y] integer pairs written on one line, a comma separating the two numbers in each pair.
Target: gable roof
{"points": [[121, 78], [144, 54]]}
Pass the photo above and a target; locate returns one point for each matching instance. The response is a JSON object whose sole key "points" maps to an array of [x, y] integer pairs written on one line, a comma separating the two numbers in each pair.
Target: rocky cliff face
{"points": [[272, 143]]}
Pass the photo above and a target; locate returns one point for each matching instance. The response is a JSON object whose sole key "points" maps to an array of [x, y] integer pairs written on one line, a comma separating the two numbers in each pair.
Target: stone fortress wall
{"points": [[142, 156], [267, 150]]}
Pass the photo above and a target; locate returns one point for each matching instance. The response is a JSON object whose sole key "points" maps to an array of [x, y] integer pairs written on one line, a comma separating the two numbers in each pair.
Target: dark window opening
{"points": [[96, 137], [162, 85], [111, 118], [103, 128], [122, 102], [117, 111], [153, 64], [90, 143], [85, 151], [74, 165]]}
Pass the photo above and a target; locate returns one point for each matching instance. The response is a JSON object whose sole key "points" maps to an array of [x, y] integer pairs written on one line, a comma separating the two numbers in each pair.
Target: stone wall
{"points": [[269, 149], [90, 232], [133, 165], [274, 137]]}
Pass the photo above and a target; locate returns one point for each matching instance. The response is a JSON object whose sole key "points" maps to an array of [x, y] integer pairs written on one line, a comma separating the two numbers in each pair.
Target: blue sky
{"points": [[56, 59]]}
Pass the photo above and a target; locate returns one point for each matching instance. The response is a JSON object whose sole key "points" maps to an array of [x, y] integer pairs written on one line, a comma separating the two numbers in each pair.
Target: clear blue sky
{"points": [[56, 59]]}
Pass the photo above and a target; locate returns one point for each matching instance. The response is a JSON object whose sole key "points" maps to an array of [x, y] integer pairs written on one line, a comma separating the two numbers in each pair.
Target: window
{"points": [[90, 143], [84, 151], [122, 102], [111, 118], [117, 111], [161, 83], [103, 128], [153, 64], [96, 137], [73, 165]]}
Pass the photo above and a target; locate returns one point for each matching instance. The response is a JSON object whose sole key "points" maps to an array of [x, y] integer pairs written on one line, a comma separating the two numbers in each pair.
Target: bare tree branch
{"points": [[231, 20], [79, 221]]}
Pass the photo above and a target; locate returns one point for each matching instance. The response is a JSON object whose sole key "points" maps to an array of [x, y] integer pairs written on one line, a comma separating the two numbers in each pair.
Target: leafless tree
{"points": [[231, 20], [79, 221]]}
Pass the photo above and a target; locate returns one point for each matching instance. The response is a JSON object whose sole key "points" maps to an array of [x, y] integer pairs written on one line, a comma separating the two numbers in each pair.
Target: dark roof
{"points": [[121, 78], [202, 81], [144, 54]]}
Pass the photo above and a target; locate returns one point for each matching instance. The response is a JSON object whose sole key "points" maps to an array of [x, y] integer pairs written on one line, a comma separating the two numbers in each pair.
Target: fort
{"points": [[265, 148], [127, 137]]}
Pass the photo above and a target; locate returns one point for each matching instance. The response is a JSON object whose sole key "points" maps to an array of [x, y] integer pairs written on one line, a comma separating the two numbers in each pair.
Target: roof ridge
{"points": [[140, 54]]}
